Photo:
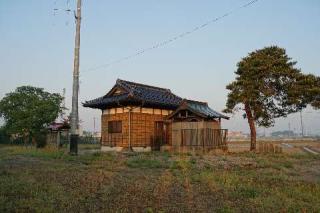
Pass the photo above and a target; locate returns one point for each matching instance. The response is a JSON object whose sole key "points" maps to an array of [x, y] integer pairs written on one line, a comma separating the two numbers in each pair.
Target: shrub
{"points": [[4, 137], [40, 139]]}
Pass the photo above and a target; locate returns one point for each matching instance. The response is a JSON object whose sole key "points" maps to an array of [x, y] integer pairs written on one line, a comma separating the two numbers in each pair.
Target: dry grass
{"points": [[297, 145], [52, 181]]}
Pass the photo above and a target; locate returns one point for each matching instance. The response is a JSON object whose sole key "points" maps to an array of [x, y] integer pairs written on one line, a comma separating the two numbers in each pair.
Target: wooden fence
{"points": [[265, 147], [201, 138]]}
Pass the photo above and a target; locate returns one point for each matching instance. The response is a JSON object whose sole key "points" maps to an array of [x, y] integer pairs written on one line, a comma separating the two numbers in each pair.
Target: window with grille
{"points": [[115, 127]]}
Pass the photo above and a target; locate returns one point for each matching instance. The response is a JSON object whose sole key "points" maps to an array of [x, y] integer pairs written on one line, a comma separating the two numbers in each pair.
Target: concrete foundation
{"points": [[119, 149], [111, 149], [142, 149], [166, 148]]}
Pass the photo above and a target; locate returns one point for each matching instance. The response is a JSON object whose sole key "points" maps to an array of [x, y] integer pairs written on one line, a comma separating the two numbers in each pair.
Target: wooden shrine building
{"points": [[144, 118]]}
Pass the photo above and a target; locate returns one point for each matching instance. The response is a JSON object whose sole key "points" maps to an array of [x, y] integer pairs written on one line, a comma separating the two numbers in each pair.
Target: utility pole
{"points": [[301, 123], [94, 125], [289, 130], [75, 89]]}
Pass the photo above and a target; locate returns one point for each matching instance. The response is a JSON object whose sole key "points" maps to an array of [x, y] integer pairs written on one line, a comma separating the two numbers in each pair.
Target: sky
{"points": [[36, 47]]}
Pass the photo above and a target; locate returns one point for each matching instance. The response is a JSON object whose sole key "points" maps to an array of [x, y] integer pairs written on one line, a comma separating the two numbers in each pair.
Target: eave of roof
{"points": [[199, 108], [136, 94]]}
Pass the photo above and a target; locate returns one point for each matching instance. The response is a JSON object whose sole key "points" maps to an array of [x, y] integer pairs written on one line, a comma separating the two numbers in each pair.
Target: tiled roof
{"points": [[203, 109], [137, 94], [55, 126], [199, 108]]}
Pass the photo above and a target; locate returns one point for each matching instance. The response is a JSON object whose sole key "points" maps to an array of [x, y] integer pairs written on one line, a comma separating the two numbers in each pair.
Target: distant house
{"points": [[237, 135], [58, 133], [144, 118]]}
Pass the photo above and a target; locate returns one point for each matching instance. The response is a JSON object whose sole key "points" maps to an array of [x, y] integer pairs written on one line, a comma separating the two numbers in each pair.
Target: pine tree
{"points": [[268, 86]]}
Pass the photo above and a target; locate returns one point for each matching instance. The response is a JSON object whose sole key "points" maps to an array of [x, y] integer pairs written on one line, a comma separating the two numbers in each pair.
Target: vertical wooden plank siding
{"points": [[142, 129], [205, 138]]}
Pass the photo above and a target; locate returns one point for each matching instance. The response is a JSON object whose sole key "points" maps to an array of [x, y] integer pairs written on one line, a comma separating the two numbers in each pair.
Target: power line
{"points": [[168, 41], [65, 10]]}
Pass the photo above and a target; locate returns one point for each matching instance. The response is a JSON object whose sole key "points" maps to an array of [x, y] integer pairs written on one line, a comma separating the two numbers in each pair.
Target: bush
{"points": [[4, 137], [41, 139]]}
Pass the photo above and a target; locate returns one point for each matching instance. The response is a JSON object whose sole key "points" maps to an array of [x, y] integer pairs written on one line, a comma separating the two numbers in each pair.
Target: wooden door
{"points": [[161, 133]]}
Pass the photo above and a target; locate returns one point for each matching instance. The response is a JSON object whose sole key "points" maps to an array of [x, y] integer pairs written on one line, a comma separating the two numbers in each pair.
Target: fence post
{"points": [[226, 138], [202, 134], [182, 138], [58, 139]]}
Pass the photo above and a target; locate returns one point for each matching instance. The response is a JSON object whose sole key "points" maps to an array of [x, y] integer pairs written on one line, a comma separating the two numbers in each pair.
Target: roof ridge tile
{"points": [[120, 81]]}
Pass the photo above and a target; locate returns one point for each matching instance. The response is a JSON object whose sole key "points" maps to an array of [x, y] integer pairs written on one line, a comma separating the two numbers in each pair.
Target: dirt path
{"points": [[310, 150]]}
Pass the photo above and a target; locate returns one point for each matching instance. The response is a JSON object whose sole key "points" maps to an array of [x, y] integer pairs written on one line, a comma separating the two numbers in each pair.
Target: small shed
{"points": [[58, 133], [196, 125], [142, 117]]}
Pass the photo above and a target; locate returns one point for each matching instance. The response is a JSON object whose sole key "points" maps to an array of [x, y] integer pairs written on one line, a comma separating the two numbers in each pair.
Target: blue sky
{"points": [[36, 47]]}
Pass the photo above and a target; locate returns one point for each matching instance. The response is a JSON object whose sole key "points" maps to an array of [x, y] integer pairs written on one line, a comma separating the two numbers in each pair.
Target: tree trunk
{"points": [[253, 133]]}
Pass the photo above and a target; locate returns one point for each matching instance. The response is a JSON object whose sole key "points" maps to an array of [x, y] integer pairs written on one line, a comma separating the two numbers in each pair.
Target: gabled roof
{"points": [[126, 93], [136, 94], [55, 126], [199, 108]]}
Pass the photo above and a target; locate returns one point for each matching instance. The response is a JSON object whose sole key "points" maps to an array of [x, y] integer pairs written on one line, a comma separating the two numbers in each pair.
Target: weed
{"points": [[225, 209], [181, 164], [193, 161], [244, 192], [50, 180], [140, 161], [287, 164]]}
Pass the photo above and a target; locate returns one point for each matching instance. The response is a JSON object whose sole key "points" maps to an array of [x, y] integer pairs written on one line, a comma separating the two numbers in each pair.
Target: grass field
{"points": [[48, 180], [295, 145]]}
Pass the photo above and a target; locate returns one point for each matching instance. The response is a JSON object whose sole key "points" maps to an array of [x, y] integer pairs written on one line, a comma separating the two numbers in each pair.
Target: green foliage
{"points": [[307, 91], [40, 138], [4, 137], [28, 110], [268, 86], [265, 81]]}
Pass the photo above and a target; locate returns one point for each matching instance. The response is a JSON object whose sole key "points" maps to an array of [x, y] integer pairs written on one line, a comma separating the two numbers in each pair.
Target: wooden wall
{"points": [[142, 129], [177, 128]]}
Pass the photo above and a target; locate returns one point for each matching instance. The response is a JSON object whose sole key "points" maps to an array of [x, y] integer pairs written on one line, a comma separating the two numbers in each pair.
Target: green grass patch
{"points": [[89, 146], [244, 192], [143, 161], [50, 180]]}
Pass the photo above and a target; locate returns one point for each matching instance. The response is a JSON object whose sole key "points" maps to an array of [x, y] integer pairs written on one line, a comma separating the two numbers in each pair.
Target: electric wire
{"points": [[168, 41]]}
